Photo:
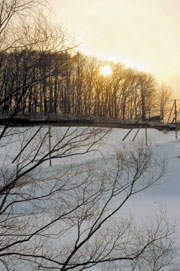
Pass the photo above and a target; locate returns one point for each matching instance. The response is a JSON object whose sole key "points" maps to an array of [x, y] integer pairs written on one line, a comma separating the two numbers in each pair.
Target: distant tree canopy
{"points": [[64, 83]]}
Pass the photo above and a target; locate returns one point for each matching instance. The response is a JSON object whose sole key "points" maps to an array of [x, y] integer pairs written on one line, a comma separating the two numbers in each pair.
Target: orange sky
{"points": [[144, 34]]}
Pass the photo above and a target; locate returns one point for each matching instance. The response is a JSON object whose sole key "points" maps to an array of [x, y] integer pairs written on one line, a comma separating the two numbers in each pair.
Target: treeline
{"points": [[70, 84]]}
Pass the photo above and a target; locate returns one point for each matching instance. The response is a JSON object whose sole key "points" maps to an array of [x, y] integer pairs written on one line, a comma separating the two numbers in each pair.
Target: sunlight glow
{"points": [[106, 70]]}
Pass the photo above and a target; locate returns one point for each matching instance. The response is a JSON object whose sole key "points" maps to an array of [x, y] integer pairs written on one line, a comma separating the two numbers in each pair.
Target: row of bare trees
{"points": [[72, 84]]}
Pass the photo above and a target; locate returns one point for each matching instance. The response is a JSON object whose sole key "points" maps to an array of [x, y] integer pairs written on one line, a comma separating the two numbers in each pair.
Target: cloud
{"points": [[143, 33]]}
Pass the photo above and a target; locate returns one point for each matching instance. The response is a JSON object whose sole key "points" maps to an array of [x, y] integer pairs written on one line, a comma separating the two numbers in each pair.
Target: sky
{"points": [[142, 34]]}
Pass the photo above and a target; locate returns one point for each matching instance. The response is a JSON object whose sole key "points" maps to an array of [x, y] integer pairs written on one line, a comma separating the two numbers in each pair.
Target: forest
{"points": [[68, 83]]}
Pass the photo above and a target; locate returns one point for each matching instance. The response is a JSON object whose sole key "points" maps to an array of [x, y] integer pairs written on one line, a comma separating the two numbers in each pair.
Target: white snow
{"points": [[164, 195]]}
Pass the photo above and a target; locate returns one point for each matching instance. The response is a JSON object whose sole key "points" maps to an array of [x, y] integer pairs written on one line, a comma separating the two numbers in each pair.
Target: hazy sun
{"points": [[106, 70]]}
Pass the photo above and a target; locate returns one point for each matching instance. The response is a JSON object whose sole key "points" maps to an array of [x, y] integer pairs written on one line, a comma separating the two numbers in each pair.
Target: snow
{"points": [[166, 193], [165, 145], [163, 195]]}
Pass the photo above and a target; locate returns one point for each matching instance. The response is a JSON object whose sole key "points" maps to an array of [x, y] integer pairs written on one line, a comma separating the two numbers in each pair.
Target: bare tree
{"points": [[161, 255], [165, 94], [148, 90], [28, 69], [10, 13], [158, 255]]}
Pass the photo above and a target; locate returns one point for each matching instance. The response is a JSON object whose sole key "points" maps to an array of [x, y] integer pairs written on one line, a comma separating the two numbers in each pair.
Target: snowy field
{"points": [[164, 195]]}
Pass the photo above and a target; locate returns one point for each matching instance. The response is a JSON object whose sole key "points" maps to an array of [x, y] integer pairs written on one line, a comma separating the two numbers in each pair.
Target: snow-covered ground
{"points": [[166, 193], [163, 195]]}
